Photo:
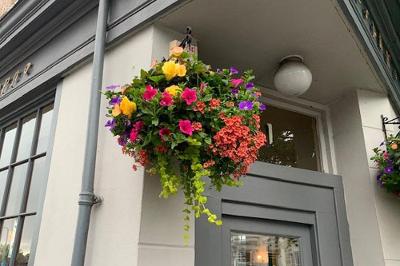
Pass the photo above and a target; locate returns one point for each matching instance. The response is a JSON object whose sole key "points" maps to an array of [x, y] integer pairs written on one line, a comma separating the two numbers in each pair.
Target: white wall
{"points": [[372, 105], [114, 230], [352, 164], [161, 230], [132, 226]]}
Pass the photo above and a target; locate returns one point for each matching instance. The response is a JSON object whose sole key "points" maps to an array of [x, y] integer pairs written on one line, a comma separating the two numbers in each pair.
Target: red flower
{"points": [[215, 103], [166, 99], [185, 126], [189, 96], [197, 126], [149, 93], [164, 133], [138, 126], [161, 149], [199, 107]]}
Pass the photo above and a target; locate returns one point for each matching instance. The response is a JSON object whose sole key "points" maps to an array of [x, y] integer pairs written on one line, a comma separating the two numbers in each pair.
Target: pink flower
{"points": [[166, 99], [189, 96], [236, 82], [149, 93], [134, 134], [138, 126], [185, 126], [385, 155]]}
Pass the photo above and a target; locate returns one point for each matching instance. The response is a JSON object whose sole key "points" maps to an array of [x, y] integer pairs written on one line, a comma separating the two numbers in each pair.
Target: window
{"points": [[23, 147], [292, 139], [264, 250]]}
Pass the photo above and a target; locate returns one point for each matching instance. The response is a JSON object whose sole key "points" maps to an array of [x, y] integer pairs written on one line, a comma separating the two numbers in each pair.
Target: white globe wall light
{"points": [[293, 76]]}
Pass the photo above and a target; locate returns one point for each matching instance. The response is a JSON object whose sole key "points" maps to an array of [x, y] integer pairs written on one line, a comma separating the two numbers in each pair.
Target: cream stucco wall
{"points": [[132, 226], [352, 164], [372, 105]]}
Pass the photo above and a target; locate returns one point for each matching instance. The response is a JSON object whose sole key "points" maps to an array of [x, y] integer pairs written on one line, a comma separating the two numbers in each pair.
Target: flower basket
{"points": [[186, 122], [387, 158]]}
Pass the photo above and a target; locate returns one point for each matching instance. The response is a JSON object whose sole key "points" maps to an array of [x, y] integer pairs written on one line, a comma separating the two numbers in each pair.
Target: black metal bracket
{"points": [[387, 121]]}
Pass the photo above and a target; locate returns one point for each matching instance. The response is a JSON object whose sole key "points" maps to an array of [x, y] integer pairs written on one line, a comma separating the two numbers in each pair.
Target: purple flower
{"points": [[115, 100], [111, 124], [233, 71], [122, 140], [249, 85], [112, 87], [388, 170], [262, 107], [246, 105], [235, 91]]}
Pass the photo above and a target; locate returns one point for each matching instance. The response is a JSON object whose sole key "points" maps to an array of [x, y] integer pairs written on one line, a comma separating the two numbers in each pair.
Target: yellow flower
{"points": [[173, 90], [177, 51], [116, 110], [181, 70], [127, 107], [169, 69]]}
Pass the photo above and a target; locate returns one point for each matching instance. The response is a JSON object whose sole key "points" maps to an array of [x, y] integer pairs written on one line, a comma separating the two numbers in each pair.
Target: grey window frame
{"points": [[34, 106]]}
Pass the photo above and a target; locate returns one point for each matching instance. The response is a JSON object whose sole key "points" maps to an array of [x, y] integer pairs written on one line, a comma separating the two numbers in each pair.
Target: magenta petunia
{"points": [[185, 126], [189, 96], [236, 82], [138, 126], [166, 99], [149, 93], [133, 135]]}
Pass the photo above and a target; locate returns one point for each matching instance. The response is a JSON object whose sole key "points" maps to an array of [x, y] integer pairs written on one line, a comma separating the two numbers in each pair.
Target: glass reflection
{"points": [[292, 139], [264, 250], [16, 190], [24, 251], [44, 133], [7, 237], [8, 144], [37, 184], [25, 141], [3, 181]]}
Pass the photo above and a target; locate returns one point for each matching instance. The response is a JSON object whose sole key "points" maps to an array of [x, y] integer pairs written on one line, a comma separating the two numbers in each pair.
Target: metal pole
{"points": [[87, 198]]}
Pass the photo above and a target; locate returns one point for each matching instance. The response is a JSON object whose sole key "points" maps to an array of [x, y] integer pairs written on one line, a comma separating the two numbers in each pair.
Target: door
{"points": [[276, 206]]}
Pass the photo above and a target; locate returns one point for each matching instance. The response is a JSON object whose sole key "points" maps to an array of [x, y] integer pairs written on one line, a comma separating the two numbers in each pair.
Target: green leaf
{"points": [[157, 79]]}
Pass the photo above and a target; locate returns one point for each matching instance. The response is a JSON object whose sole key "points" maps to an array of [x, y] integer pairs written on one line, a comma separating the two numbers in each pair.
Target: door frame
{"points": [[250, 201]]}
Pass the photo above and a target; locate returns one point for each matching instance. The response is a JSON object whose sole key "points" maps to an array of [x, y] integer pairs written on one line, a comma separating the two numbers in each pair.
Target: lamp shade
{"points": [[293, 76]]}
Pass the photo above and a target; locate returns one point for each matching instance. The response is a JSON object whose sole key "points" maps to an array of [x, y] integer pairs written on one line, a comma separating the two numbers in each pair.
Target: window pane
{"points": [[7, 237], [8, 144], [264, 250], [44, 133], [25, 141], [26, 241], [17, 189], [292, 139], [37, 184], [3, 181]]}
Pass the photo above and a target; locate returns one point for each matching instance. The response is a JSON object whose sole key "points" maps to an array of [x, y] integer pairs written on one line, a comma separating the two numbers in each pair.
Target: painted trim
{"points": [[252, 194], [359, 16], [56, 108]]}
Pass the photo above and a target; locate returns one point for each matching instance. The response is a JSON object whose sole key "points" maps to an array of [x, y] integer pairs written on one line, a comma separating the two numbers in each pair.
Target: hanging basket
{"points": [[186, 122], [387, 158]]}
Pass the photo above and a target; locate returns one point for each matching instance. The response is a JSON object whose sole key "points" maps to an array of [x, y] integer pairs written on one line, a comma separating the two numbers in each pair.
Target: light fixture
{"points": [[293, 76]]}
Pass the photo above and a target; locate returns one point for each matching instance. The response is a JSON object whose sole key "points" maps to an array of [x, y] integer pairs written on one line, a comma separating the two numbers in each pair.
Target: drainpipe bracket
{"points": [[89, 198]]}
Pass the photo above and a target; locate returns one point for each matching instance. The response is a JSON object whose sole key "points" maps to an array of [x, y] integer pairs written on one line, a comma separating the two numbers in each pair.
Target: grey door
{"points": [[296, 216]]}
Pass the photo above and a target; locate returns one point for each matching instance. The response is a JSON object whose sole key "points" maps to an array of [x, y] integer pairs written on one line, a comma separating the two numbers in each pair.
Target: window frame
{"points": [[34, 106], [320, 113]]}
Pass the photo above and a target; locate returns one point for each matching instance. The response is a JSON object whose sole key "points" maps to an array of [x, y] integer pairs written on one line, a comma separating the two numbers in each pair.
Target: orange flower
{"points": [[229, 104], [394, 146], [215, 103], [199, 107], [197, 126]]}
